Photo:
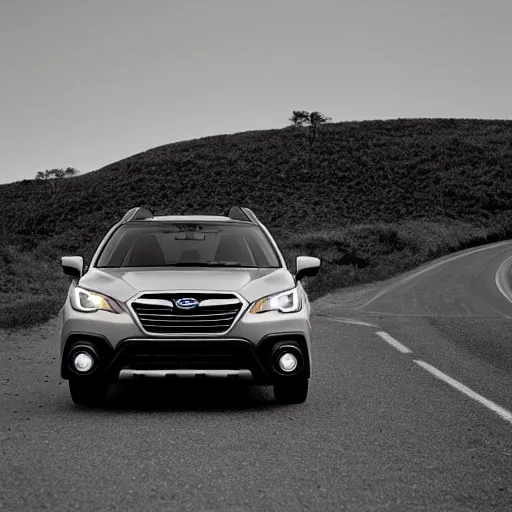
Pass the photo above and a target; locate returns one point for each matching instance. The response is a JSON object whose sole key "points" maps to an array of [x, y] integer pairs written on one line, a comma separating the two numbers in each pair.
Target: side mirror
{"points": [[72, 265], [307, 266]]}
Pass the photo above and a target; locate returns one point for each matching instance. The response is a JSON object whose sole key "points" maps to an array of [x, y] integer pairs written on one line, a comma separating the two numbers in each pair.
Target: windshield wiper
{"points": [[187, 264], [229, 264], [209, 264]]}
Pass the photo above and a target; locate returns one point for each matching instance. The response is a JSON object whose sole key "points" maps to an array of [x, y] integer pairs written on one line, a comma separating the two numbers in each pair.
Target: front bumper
{"points": [[233, 358], [251, 344]]}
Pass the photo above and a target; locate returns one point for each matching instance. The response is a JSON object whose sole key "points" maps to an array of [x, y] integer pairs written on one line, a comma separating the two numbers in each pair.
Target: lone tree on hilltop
{"points": [[54, 177], [302, 119]]}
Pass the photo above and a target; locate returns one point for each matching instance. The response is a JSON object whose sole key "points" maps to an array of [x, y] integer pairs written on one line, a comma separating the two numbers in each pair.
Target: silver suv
{"points": [[186, 297]]}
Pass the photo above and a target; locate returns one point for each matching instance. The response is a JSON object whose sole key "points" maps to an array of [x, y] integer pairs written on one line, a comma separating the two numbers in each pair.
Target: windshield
{"points": [[158, 244]]}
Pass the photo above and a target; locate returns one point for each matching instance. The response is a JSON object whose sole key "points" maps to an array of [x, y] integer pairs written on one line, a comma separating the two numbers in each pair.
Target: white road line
{"points": [[432, 267], [501, 279], [347, 320], [394, 343], [427, 315], [500, 411]]}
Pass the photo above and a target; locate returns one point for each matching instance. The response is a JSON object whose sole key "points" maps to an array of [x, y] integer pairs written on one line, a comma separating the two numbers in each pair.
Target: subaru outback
{"points": [[198, 297]]}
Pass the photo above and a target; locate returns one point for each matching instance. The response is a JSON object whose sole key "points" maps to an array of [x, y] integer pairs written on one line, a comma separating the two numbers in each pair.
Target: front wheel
{"points": [[291, 392], [88, 393]]}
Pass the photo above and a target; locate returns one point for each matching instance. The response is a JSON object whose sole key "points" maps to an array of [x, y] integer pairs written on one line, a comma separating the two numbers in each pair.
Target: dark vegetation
{"points": [[381, 197], [53, 177], [312, 121]]}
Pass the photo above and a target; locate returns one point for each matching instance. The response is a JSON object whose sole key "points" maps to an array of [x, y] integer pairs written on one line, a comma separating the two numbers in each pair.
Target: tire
{"points": [[291, 392], [88, 393]]}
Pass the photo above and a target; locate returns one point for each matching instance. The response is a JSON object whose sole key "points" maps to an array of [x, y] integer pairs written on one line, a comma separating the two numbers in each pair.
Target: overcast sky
{"points": [[86, 83]]}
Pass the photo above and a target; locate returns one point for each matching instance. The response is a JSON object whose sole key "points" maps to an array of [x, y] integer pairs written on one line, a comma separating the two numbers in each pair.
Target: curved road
{"points": [[410, 408]]}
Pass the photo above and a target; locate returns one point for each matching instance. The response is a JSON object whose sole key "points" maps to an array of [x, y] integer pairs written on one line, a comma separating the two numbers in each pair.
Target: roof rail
{"points": [[241, 213], [138, 213]]}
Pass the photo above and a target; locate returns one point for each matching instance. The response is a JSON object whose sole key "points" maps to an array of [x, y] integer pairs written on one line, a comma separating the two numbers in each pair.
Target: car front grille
{"points": [[159, 313]]}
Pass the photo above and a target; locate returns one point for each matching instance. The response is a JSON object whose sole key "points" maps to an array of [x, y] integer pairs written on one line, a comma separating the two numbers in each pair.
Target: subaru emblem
{"points": [[186, 303]]}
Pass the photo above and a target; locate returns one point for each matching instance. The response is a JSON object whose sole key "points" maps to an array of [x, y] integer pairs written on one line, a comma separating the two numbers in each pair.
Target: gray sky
{"points": [[86, 83]]}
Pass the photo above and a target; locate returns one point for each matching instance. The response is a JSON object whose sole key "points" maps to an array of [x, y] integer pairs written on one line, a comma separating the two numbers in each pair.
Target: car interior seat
{"points": [[233, 248], [146, 252]]}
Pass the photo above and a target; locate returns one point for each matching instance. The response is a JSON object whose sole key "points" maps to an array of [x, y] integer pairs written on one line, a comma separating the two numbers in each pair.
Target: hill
{"points": [[382, 197]]}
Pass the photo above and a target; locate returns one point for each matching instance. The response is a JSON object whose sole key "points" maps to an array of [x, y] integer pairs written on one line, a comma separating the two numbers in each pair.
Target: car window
{"points": [[144, 244]]}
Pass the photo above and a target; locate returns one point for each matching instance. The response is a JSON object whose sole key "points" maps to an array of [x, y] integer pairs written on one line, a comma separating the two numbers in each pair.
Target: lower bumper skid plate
{"points": [[126, 374]]}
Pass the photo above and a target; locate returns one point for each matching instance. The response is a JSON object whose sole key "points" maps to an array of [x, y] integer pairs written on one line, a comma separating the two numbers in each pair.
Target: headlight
{"points": [[87, 301], [285, 302]]}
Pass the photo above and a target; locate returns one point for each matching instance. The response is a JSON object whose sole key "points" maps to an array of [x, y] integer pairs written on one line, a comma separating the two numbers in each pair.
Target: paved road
{"points": [[381, 429]]}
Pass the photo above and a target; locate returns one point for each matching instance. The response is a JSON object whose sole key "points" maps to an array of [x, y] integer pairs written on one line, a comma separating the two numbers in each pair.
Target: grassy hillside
{"points": [[30, 292], [383, 196]]}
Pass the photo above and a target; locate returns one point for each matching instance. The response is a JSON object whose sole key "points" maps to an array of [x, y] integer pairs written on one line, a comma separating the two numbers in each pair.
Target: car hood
{"points": [[252, 284]]}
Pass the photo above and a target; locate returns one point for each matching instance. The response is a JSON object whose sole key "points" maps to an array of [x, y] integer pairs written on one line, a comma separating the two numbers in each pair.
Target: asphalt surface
{"points": [[378, 432]]}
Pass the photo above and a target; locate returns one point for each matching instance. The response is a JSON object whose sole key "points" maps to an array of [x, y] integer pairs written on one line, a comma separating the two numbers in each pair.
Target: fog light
{"points": [[288, 362], [83, 362]]}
